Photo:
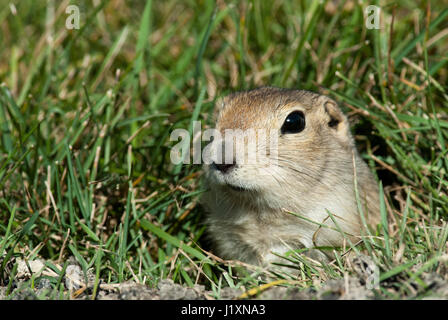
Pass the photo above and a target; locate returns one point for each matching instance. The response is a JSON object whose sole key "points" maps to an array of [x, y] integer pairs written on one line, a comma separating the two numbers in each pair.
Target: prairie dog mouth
{"points": [[237, 188]]}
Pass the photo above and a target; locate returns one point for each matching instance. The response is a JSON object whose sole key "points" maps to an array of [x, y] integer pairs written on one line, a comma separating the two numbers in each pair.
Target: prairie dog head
{"points": [[310, 171], [314, 146]]}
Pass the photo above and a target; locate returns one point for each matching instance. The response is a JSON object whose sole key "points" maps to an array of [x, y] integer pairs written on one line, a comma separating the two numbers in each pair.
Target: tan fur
{"points": [[314, 175]]}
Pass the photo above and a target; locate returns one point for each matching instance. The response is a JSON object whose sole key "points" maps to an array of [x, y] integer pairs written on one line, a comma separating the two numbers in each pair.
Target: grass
{"points": [[86, 116]]}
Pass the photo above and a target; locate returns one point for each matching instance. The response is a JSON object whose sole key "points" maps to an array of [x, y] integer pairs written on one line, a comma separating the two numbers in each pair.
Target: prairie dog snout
{"points": [[312, 161]]}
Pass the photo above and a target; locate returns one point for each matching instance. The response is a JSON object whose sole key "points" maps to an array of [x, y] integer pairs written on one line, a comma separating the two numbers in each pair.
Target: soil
{"points": [[350, 287]]}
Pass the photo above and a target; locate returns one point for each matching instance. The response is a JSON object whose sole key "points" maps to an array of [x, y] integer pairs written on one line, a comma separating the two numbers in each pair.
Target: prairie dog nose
{"points": [[223, 167]]}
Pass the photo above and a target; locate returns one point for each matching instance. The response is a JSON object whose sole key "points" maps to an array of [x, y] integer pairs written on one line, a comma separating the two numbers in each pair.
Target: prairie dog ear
{"points": [[336, 121]]}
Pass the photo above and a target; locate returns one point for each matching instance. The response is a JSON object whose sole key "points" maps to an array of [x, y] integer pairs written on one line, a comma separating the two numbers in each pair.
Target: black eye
{"points": [[294, 123]]}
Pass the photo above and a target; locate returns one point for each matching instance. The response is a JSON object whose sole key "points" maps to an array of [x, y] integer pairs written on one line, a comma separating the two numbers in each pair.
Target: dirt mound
{"points": [[75, 286]]}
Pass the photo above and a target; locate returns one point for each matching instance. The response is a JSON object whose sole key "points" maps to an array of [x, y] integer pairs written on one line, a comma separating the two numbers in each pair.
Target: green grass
{"points": [[86, 115]]}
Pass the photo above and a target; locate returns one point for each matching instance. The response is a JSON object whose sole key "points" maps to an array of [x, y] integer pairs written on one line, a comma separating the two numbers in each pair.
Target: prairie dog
{"points": [[249, 206]]}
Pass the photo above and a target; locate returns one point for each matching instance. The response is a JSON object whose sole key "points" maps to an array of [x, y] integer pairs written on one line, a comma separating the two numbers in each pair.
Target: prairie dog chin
{"points": [[313, 174]]}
